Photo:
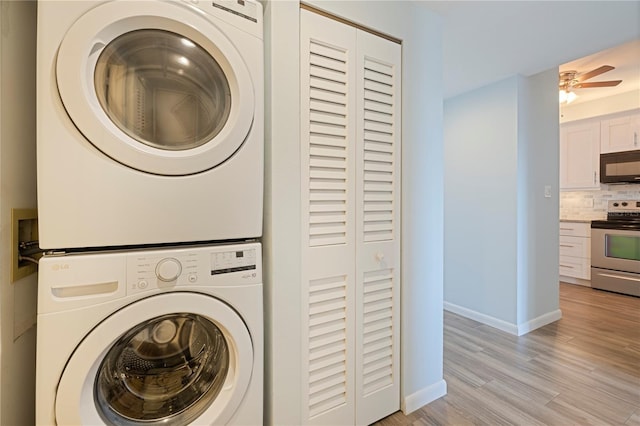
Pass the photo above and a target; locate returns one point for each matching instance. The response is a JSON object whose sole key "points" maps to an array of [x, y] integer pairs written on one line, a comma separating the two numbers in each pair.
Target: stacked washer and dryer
{"points": [[150, 186]]}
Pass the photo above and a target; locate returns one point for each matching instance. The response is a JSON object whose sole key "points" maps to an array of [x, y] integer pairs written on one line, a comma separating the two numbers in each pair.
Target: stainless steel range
{"points": [[615, 249]]}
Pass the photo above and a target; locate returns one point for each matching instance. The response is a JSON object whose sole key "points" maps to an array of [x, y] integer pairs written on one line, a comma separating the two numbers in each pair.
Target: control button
{"points": [[142, 284], [193, 278], [625, 204], [615, 204], [168, 269]]}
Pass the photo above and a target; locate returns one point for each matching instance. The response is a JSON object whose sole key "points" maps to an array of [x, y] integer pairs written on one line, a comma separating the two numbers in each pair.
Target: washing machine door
{"points": [[156, 86], [176, 358]]}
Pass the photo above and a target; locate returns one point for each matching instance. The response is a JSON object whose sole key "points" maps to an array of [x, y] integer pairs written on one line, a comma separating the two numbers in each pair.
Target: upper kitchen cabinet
{"points": [[620, 132], [580, 155]]}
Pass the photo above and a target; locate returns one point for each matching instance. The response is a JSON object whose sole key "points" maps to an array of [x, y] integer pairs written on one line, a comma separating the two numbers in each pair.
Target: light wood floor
{"points": [[581, 370]]}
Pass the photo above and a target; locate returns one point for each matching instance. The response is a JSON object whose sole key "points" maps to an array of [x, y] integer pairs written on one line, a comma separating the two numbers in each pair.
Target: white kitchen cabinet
{"points": [[580, 155], [575, 250], [620, 132], [350, 158]]}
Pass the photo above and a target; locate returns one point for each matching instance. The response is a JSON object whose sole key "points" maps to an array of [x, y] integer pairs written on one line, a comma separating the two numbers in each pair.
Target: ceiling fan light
{"points": [[563, 96], [571, 97]]}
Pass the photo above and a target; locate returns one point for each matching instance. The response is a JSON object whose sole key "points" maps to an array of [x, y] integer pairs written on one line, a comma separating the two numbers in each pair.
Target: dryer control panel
{"points": [[227, 265]]}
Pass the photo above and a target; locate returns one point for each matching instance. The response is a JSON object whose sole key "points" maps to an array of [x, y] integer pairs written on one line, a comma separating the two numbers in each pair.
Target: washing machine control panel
{"points": [[217, 266], [233, 261]]}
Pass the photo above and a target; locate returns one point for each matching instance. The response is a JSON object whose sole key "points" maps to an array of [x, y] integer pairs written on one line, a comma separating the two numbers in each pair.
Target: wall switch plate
{"points": [[547, 191]]}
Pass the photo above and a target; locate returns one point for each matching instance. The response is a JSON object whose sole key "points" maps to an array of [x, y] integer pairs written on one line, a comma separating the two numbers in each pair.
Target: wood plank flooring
{"points": [[581, 370]]}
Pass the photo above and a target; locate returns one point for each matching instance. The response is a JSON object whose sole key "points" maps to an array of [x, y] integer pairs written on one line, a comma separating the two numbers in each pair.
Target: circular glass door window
{"points": [[162, 89], [170, 368]]}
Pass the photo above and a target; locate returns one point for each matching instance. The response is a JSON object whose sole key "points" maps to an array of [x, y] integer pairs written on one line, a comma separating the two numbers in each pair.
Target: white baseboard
{"points": [[516, 330], [540, 321], [485, 319], [424, 396]]}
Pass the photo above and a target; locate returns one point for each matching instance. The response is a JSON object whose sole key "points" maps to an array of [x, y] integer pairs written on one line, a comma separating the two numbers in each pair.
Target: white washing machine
{"points": [[168, 336], [150, 122]]}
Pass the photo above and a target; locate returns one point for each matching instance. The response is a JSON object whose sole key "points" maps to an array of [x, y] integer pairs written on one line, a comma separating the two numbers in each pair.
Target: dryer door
{"points": [[156, 86], [174, 358]]}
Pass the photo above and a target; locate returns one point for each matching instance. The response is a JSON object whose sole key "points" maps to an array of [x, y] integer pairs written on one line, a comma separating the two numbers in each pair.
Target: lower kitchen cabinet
{"points": [[575, 250]]}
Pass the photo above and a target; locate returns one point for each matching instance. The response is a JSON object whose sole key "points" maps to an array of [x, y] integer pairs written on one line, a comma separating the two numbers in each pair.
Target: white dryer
{"points": [[169, 336], [150, 122]]}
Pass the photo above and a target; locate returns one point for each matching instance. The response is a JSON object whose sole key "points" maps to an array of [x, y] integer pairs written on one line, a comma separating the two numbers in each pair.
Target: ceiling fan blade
{"points": [[595, 72], [610, 83]]}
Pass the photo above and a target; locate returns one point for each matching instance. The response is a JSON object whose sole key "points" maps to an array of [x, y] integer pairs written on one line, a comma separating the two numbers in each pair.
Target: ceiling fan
{"points": [[570, 80]]}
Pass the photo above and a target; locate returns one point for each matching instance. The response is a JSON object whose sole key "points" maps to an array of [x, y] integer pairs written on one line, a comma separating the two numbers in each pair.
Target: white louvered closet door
{"points": [[350, 168], [377, 228], [328, 109]]}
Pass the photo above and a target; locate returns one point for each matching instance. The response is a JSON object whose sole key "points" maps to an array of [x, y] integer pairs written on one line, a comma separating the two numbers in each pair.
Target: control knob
{"points": [[168, 269]]}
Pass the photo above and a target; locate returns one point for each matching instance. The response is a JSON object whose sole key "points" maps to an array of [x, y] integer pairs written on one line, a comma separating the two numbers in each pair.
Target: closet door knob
{"points": [[379, 256]]}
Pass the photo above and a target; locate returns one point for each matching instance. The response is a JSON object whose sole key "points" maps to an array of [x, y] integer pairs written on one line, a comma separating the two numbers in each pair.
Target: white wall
{"points": [[538, 166], [422, 208], [18, 190], [501, 251], [481, 174], [281, 237]]}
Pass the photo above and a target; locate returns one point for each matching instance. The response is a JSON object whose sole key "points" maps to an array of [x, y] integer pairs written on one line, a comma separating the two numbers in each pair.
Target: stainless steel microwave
{"points": [[620, 167]]}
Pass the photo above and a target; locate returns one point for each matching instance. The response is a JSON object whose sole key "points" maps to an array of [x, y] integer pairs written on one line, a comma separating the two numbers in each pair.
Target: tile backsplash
{"points": [[592, 205]]}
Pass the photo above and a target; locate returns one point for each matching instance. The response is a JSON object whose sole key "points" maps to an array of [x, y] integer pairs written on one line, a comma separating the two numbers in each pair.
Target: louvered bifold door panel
{"points": [[377, 229], [378, 156], [328, 111]]}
